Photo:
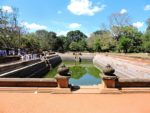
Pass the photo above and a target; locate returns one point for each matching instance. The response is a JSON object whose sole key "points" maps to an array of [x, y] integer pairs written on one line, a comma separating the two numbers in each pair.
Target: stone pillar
{"points": [[109, 81], [63, 81], [108, 76]]}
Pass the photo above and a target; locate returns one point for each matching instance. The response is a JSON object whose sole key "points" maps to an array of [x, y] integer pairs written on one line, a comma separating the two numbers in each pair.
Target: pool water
{"points": [[84, 73]]}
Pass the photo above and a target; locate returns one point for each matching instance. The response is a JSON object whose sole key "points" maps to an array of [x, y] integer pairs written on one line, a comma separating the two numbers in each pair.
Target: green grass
{"points": [[51, 73]]}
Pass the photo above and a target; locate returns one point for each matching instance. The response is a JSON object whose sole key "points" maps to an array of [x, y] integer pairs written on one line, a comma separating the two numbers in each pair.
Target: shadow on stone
{"points": [[74, 88]]}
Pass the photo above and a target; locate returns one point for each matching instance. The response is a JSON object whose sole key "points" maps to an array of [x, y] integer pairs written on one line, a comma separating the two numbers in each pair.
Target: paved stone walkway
{"points": [[74, 103], [125, 66]]}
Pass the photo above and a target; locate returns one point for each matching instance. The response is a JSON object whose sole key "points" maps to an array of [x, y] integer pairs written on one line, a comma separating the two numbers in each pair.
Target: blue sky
{"points": [[62, 16]]}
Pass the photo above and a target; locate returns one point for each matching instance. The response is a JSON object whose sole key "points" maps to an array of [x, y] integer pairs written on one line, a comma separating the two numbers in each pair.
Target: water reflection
{"points": [[84, 75], [81, 73]]}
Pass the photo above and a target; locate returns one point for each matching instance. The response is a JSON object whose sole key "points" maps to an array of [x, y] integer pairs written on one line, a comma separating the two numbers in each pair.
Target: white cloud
{"points": [[147, 7], [33, 26], [84, 7], [123, 11], [59, 12], [138, 24], [7, 9], [62, 33], [74, 25]]}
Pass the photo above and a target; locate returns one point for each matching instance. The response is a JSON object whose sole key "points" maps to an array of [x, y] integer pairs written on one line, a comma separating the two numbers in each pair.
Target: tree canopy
{"points": [[120, 37]]}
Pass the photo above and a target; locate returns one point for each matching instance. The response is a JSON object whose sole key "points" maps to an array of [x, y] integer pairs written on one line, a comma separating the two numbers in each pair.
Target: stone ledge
{"points": [[134, 80], [27, 82]]}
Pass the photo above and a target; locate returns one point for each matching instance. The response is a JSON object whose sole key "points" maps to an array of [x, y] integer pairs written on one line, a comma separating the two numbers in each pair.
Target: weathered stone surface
{"points": [[129, 73], [63, 81], [108, 70], [63, 70], [123, 68], [109, 81], [37, 69], [8, 59]]}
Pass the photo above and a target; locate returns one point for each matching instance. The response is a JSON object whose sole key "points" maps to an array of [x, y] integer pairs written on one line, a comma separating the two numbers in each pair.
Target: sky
{"points": [[88, 16]]}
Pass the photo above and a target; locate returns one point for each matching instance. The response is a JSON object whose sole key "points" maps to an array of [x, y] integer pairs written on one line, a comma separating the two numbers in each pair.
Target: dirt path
{"points": [[74, 103]]}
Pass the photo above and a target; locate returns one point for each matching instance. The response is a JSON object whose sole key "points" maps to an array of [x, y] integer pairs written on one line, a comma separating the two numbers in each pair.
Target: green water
{"points": [[84, 73]]}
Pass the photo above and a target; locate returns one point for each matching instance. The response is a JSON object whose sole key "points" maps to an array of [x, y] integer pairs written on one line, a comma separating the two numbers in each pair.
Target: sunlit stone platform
{"points": [[129, 72]]}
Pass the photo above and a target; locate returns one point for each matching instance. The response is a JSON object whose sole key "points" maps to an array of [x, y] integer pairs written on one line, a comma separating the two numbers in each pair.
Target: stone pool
{"points": [[84, 73]]}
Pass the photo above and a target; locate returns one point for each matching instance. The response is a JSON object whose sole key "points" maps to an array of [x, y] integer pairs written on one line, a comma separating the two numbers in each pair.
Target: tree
{"points": [[76, 35], [9, 29], [82, 45], [76, 40], [96, 45], [102, 40], [74, 46], [42, 37], [30, 42], [148, 23], [117, 21], [134, 35], [146, 43], [65, 42], [124, 44], [100, 32], [52, 41]]}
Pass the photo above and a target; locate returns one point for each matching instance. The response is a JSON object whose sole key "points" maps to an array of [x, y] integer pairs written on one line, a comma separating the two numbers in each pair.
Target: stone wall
{"points": [[35, 70], [7, 59], [71, 57], [13, 66]]}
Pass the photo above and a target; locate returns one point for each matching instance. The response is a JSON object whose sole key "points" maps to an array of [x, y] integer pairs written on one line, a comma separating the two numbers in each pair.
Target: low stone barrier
{"points": [[28, 82], [133, 82]]}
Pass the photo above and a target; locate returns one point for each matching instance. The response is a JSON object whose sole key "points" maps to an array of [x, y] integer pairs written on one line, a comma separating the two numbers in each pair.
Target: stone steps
{"points": [[135, 90]]}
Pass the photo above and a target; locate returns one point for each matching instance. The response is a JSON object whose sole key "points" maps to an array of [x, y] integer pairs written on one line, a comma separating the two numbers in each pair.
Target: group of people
{"points": [[77, 57], [3, 53], [26, 57]]}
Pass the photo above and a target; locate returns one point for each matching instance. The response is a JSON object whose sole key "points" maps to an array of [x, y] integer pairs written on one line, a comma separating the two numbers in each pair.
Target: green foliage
{"points": [[82, 45], [76, 35], [148, 25], [124, 44], [121, 37], [146, 42], [76, 41], [9, 29], [74, 46], [52, 73], [102, 41], [96, 45]]}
